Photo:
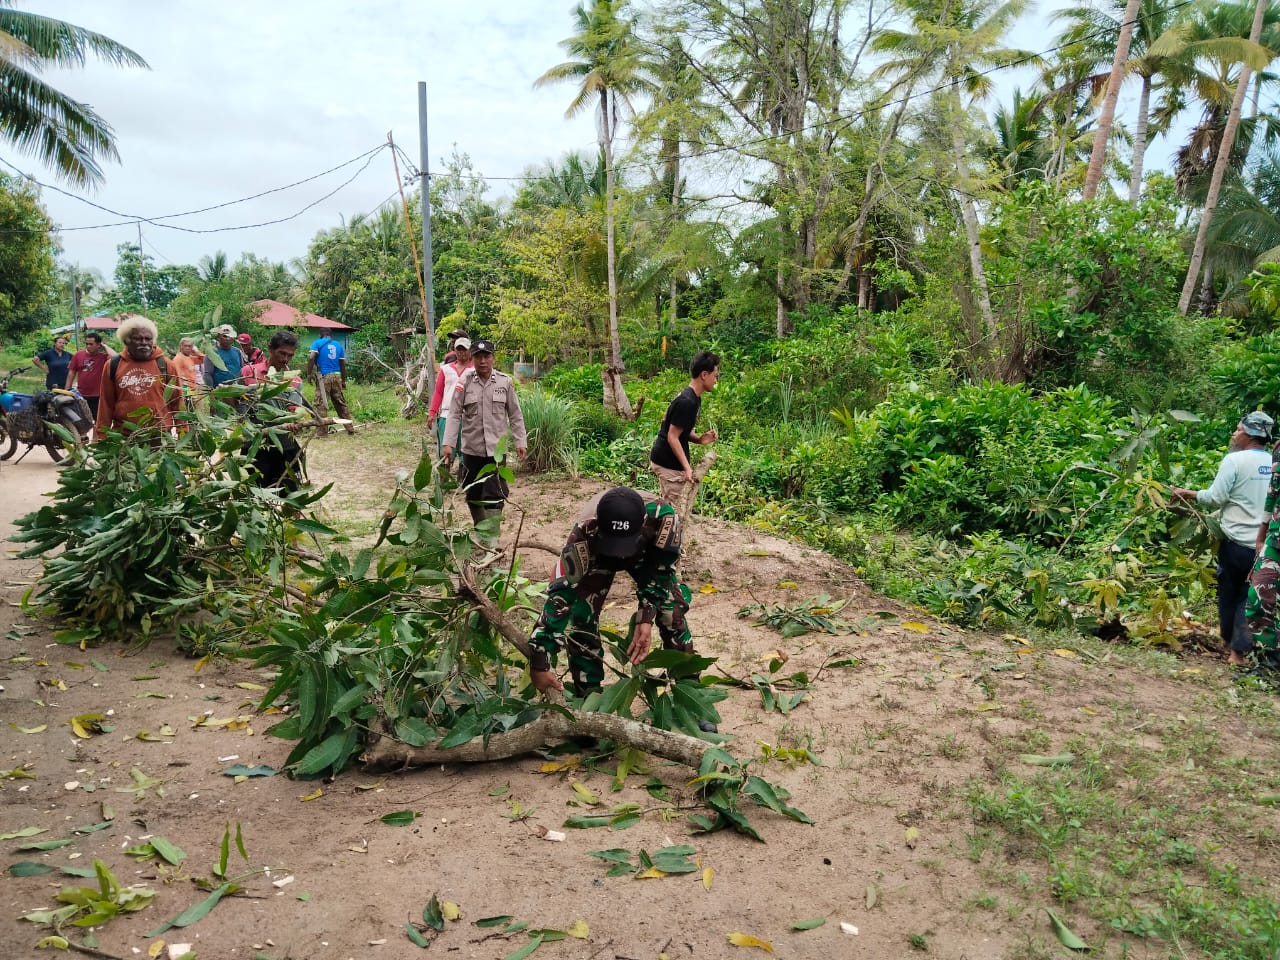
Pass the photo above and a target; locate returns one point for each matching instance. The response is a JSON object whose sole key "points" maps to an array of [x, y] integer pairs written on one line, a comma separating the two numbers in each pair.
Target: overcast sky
{"points": [[246, 96]]}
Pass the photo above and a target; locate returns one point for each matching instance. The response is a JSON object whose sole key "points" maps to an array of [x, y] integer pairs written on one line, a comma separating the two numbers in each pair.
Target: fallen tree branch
{"points": [[551, 727], [690, 492], [555, 725], [540, 545]]}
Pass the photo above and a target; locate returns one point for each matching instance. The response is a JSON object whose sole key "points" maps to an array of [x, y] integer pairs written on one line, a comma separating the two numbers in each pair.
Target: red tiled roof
{"points": [[108, 323], [277, 314]]}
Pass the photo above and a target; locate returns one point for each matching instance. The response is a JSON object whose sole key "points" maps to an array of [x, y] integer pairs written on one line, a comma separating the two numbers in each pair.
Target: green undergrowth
{"points": [[984, 503], [1150, 830]]}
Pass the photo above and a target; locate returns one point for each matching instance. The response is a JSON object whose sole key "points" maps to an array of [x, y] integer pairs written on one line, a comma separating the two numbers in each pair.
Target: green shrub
{"points": [[550, 422], [576, 383], [372, 402], [594, 424]]}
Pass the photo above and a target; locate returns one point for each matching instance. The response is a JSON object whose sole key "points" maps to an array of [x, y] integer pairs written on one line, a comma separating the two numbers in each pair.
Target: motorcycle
{"points": [[27, 418]]}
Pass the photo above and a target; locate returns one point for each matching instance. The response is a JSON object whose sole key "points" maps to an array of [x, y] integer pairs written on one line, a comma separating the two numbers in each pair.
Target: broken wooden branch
{"points": [[553, 726], [684, 509]]}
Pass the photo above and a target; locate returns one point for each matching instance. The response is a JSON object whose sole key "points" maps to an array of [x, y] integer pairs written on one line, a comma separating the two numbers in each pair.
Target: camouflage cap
{"points": [[1258, 424]]}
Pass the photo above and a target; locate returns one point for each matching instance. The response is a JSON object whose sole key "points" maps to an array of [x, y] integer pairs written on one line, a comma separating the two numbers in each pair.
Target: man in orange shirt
{"points": [[139, 394], [188, 369]]}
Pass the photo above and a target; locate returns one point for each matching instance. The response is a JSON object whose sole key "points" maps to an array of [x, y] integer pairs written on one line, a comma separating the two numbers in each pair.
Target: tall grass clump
{"points": [[550, 422]]}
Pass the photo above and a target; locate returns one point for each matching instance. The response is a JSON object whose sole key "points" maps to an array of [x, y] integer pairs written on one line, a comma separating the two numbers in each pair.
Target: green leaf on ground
{"points": [[241, 770], [524, 951], [197, 911], [812, 924], [432, 915], [29, 868], [415, 936], [44, 845], [1064, 934], [401, 818]]}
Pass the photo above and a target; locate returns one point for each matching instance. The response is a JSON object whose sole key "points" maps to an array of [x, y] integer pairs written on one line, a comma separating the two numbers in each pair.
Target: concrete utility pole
{"points": [[426, 211], [142, 269], [75, 305]]}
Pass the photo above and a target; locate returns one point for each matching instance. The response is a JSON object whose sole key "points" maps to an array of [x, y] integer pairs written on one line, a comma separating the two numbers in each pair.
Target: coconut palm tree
{"points": [[1221, 162], [960, 42], [607, 64], [212, 267], [37, 119], [682, 121], [1092, 36]]}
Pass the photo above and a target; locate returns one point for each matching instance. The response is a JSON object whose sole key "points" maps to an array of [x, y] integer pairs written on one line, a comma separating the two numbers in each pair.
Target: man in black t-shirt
{"points": [[669, 458]]}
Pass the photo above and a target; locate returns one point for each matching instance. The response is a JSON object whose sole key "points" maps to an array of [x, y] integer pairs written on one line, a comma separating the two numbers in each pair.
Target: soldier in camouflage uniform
{"points": [[619, 530], [1260, 608]]}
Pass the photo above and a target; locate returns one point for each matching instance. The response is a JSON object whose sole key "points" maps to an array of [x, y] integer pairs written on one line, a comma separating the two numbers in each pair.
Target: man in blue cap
{"points": [[1240, 490]]}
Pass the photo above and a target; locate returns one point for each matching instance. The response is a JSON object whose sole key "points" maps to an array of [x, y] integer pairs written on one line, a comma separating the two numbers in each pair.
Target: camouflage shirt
{"points": [[1271, 548]]}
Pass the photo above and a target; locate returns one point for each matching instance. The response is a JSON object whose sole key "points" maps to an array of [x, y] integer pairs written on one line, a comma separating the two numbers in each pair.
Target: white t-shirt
{"points": [[451, 373], [1240, 489]]}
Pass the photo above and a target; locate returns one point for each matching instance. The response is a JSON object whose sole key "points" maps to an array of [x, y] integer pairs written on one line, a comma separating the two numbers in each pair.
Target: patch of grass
{"points": [[953, 749], [373, 403], [1137, 837], [549, 421], [985, 900]]}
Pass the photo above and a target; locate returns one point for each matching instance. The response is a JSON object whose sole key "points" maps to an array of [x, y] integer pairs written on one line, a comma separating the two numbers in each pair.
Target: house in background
{"points": [[104, 325], [277, 314]]}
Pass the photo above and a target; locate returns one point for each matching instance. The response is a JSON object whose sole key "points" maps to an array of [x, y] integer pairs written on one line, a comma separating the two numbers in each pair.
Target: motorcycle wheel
{"points": [[57, 450], [13, 441]]}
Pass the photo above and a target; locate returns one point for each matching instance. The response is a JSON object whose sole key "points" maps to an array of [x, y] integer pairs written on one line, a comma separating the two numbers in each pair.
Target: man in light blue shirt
{"points": [[1240, 489]]}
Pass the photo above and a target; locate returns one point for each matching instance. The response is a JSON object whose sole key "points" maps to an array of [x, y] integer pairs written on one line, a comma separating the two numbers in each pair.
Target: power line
{"points": [[131, 219], [368, 157]]}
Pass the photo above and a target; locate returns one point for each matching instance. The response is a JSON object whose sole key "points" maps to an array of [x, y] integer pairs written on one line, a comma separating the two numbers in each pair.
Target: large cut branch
{"points": [[690, 492], [553, 726]]}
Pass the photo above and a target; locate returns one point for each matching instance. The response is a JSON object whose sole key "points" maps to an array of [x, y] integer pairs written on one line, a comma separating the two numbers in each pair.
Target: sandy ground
{"points": [[900, 736]]}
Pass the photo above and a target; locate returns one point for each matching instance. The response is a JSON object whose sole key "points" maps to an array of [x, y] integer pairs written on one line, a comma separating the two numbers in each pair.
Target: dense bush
{"points": [[981, 501], [576, 383], [550, 422]]}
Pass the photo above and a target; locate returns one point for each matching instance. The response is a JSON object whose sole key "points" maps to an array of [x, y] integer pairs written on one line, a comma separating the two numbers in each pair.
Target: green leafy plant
{"points": [[137, 534], [93, 906]]}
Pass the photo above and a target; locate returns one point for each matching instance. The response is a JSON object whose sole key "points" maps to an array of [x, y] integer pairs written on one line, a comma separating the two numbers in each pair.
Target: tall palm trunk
{"points": [[674, 292], [1220, 167], [1140, 141], [1105, 119], [969, 214], [615, 394]]}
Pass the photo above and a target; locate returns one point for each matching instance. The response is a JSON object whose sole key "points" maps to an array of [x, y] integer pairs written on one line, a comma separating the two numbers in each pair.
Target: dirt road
{"points": [[899, 734]]}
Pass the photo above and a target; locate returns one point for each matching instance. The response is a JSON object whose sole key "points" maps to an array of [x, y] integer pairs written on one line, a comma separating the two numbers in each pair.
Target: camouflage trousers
{"points": [[576, 618], [1260, 608]]}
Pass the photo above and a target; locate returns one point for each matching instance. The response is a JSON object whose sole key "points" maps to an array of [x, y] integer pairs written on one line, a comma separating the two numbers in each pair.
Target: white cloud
{"points": [[243, 97]]}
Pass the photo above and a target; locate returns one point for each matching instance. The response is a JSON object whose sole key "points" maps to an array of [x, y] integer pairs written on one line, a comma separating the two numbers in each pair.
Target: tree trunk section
{"points": [[1107, 117], [551, 727], [1220, 168], [1140, 141], [674, 291], [689, 494], [969, 214], [615, 395]]}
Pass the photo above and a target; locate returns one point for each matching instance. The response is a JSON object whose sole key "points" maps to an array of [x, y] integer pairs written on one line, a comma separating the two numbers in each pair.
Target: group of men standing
{"points": [[140, 390]]}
